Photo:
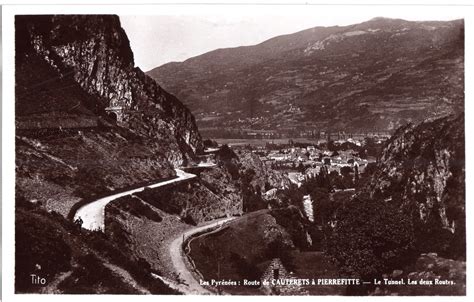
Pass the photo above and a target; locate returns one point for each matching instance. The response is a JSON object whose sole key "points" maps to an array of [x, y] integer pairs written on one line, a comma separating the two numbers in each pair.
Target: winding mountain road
{"points": [[92, 214], [178, 257]]}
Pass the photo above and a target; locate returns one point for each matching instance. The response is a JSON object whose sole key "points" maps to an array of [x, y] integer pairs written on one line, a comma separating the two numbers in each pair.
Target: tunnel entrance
{"points": [[112, 116]]}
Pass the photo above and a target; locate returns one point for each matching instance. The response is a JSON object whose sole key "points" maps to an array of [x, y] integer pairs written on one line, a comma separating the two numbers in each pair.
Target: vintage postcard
{"points": [[249, 150]]}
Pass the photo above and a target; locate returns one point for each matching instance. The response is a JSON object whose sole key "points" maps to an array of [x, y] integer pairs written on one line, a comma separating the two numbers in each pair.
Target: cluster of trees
{"points": [[287, 165], [348, 178], [291, 143], [228, 159], [369, 148], [371, 237], [290, 196], [366, 236], [251, 195], [333, 147], [209, 143]]}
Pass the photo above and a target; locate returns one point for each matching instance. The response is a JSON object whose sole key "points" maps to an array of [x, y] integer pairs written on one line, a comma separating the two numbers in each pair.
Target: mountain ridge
{"points": [[327, 78]]}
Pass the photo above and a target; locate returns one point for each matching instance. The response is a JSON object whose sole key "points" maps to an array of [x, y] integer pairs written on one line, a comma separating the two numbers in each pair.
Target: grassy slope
{"points": [[141, 234], [74, 260], [65, 151], [60, 168], [243, 249], [144, 223]]}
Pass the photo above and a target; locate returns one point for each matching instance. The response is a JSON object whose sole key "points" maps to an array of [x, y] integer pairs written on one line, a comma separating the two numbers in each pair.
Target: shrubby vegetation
{"points": [[159, 197], [91, 273], [40, 249], [244, 268], [371, 237], [292, 195], [366, 236], [348, 178], [209, 143], [251, 195], [290, 218], [137, 208], [49, 245]]}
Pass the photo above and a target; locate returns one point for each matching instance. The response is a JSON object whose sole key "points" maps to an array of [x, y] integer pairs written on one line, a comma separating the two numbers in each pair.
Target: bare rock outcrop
{"points": [[423, 169], [97, 51]]}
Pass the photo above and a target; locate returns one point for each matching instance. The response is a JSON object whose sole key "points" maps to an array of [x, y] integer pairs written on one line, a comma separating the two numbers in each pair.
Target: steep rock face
{"points": [[423, 168], [87, 121], [65, 152], [96, 50], [264, 177], [220, 183]]}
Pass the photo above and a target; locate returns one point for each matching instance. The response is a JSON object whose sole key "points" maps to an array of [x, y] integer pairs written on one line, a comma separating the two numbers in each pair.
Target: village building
{"points": [[277, 271]]}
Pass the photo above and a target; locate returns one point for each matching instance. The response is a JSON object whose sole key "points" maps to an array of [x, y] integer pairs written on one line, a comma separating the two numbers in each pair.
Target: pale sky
{"points": [[159, 39]]}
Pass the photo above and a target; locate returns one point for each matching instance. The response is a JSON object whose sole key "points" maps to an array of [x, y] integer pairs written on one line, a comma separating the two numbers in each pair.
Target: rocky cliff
{"points": [[263, 177], [423, 169], [96, 50], [87, 120], [88, 123]]}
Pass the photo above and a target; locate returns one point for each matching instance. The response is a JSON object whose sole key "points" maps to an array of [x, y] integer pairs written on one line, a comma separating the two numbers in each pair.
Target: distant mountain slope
{"points": [[374, 75]]}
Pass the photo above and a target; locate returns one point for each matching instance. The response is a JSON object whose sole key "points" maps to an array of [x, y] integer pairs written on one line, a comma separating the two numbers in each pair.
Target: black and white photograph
{"points": [[302, 151]]}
